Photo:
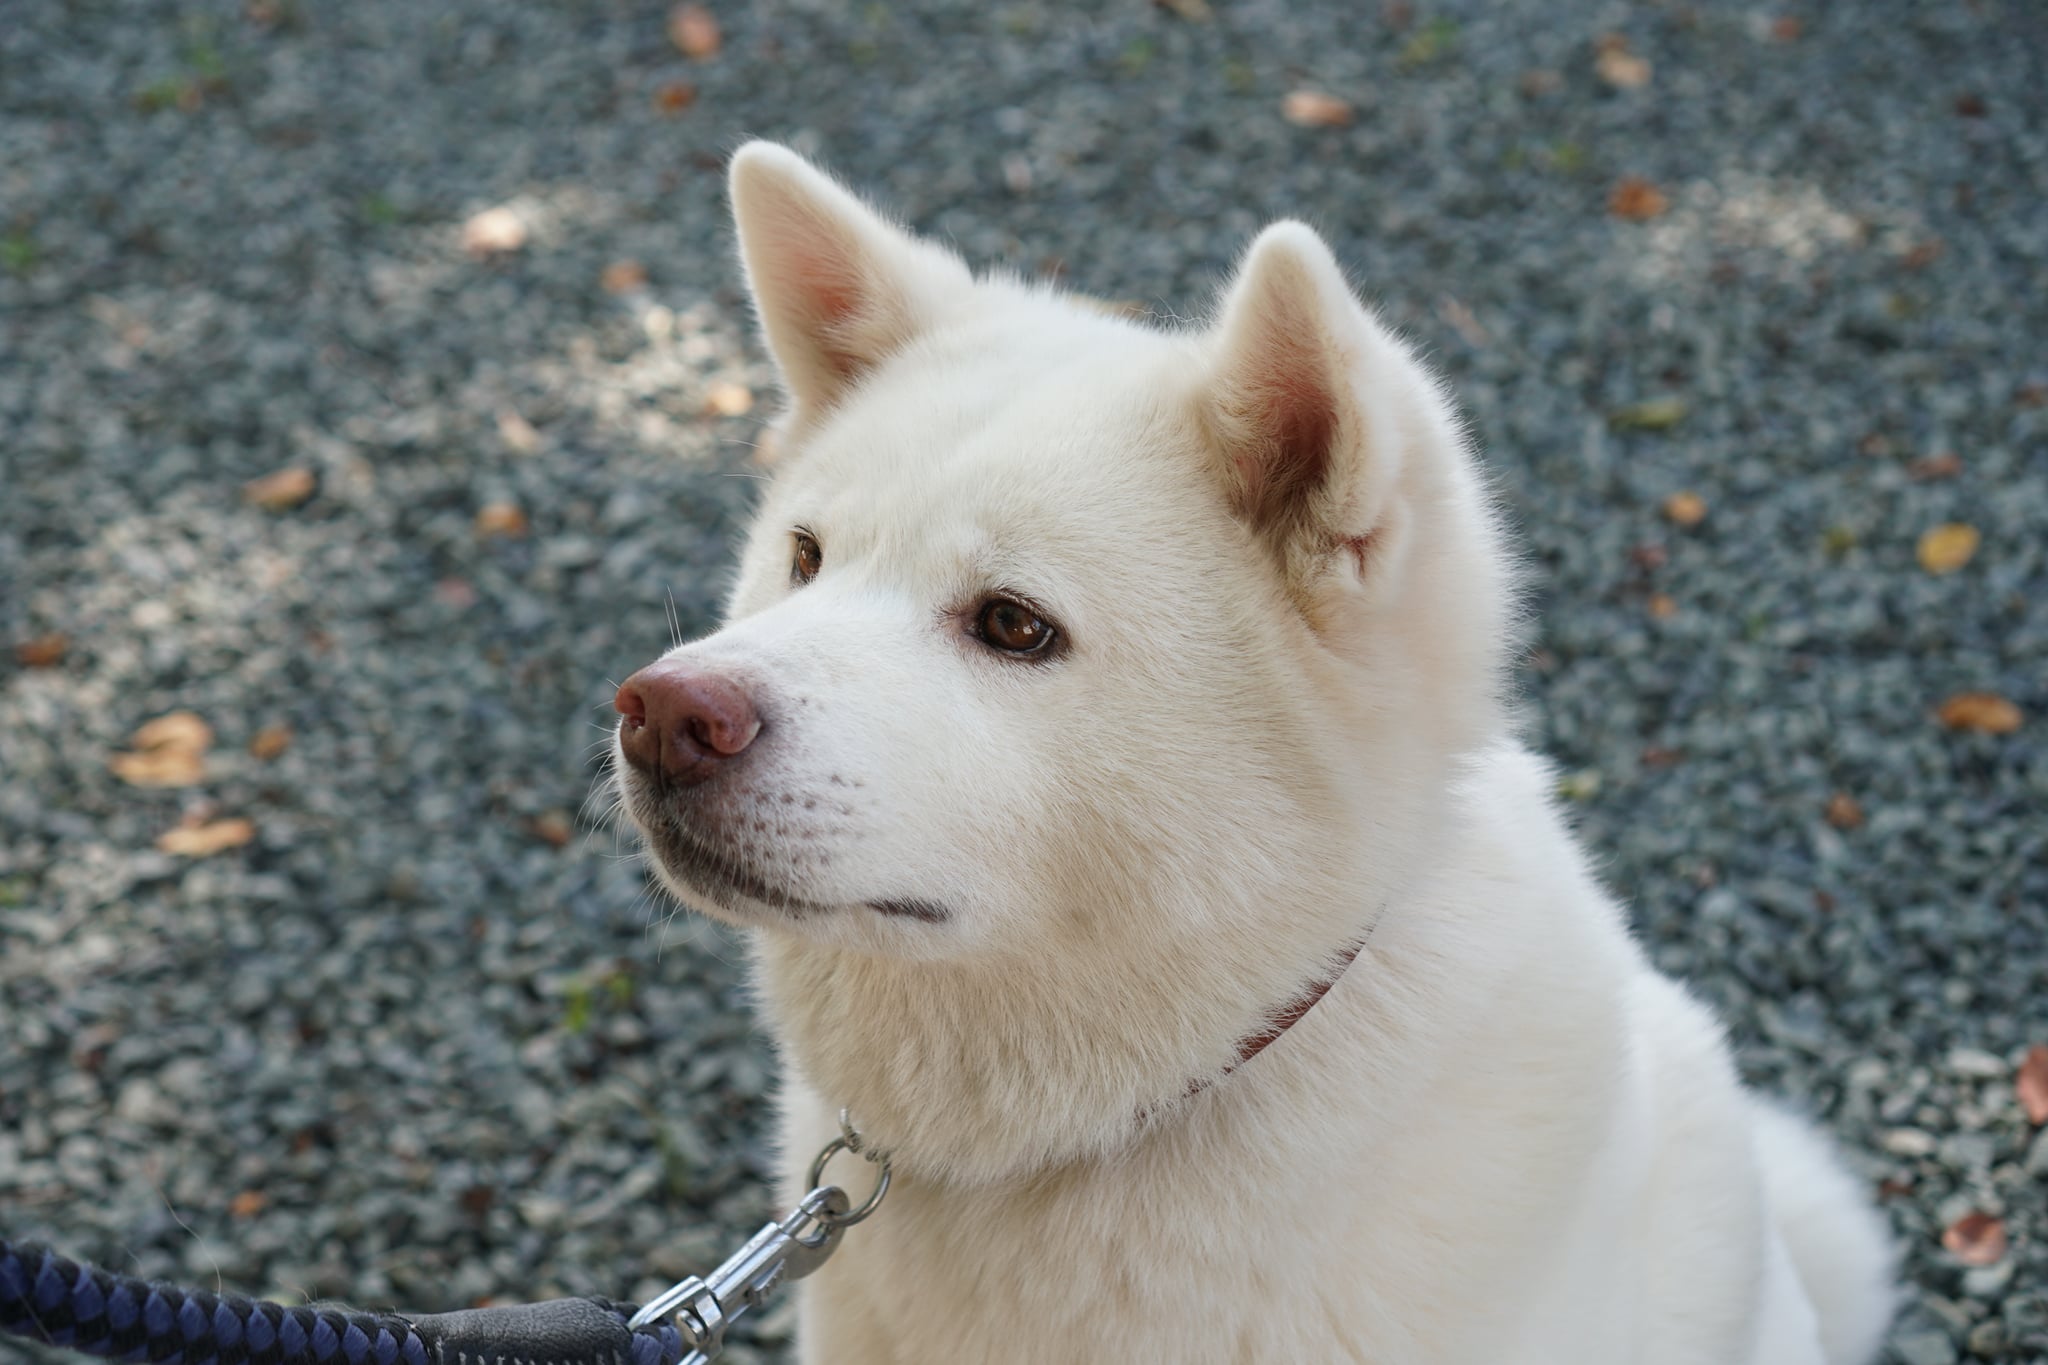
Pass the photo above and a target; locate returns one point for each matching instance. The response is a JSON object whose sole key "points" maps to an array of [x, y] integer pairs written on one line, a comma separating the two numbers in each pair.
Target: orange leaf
{"points": [[45, 651], [501, 519], [1636, 199], [1663, 606], [694, 30], [1985, 712], [1844, 811], [623, 277], [203, 841], [1947, 547], [1685, 509], [552, 828], [675, 97], [1314, 109], [2031, 1085], [280, 492], [1975, 1239], [270, 742], [248, 1203]]}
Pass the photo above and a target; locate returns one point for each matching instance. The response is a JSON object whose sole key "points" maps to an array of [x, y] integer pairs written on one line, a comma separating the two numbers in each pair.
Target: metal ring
{"points": [[847, 1220]]}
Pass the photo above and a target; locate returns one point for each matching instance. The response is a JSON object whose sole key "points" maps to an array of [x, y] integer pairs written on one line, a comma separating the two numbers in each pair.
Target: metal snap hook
{"points": [[850, 1143]]}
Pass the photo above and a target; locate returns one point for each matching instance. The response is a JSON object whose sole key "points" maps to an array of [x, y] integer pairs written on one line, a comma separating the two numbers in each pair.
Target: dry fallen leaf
{"points": [[517, 432], [1985, 712], [1844, 811], [203, 841], [1685, 509], [727, 399], [694, 31], [1921, 254], [270, 742], [1655, 414], [1636, 199], [1314, 109], [1663, 606], [248, 1204], [501, 519], [170, 751], [2031, 1084], [623, 277], [160, 768], [281, 491], [175, 730], [552, 828], [675, 97], [1619, 67], [45, 651], [1947, 547], [1975, 1239], [1945, 465], [492, 232]]}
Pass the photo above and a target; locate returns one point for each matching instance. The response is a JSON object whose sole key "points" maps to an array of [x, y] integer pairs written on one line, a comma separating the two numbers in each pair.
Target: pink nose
{"points": [[682, 723]]}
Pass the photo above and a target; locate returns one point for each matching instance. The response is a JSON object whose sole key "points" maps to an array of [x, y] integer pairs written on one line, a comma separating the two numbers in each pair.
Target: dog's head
{"points": [[1059, 633]]}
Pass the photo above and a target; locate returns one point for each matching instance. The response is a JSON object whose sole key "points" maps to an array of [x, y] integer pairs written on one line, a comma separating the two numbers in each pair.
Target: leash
{"points": [[49, 1298], [57, 1301]]}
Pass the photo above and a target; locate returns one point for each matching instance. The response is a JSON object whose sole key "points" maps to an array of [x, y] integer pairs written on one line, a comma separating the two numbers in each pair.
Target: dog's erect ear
{"points": [[1304, 462], [838, 288]]}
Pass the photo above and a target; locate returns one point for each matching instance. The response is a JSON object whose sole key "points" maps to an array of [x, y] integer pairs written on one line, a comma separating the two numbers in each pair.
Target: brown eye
{"points": [[809, 558], [1012, 627]]}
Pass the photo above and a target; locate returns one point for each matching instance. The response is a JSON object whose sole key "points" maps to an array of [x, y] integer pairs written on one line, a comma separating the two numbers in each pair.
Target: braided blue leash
{"points": [[52, 1299]]}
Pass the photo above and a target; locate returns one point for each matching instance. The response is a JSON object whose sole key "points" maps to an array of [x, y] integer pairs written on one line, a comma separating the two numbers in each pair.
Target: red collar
{"points": [[1286, 1019]]}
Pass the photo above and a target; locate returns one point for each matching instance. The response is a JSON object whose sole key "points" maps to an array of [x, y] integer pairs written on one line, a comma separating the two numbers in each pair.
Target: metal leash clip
{"points": [[780, 1252]]}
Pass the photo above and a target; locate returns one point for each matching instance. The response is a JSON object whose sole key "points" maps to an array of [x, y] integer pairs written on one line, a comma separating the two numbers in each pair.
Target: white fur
{"points": [[1276, 728]]}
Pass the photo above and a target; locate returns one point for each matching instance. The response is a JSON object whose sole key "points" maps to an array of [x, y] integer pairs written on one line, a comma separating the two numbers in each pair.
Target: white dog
{"points": [[1107, 749]]}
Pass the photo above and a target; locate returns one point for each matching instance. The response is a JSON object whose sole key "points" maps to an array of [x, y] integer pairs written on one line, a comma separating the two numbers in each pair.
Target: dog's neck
{"points": [[974, 1071], [1287, 1018]]}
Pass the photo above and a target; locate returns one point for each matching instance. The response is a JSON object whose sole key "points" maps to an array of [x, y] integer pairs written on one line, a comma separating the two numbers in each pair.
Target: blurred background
{"points": [[375, 382]]}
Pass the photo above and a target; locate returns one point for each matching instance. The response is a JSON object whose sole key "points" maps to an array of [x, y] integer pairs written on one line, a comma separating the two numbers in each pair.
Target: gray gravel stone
{"points": [[403, 1043]]}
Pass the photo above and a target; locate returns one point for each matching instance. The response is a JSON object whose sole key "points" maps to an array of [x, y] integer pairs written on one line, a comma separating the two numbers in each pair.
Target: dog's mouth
{"points": [[722, 877]]}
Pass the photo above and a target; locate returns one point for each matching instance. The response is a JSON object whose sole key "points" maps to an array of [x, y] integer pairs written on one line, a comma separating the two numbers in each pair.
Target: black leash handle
{"points": [[52, 1299]]}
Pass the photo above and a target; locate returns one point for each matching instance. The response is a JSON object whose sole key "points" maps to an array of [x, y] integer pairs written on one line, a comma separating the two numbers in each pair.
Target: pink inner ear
{"points": [[833, 300], [1292, 417]]}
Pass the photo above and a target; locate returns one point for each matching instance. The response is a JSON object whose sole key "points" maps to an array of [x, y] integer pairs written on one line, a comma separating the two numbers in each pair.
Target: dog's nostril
{"points": [[631, 706]]}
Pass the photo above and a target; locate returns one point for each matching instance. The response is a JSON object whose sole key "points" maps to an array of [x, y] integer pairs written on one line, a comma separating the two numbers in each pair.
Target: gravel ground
{"points": [[426, 1038]]}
